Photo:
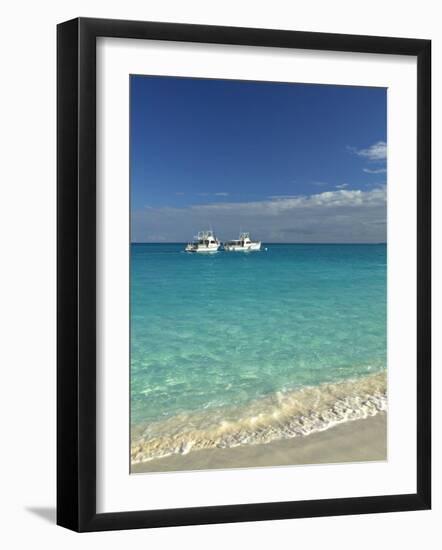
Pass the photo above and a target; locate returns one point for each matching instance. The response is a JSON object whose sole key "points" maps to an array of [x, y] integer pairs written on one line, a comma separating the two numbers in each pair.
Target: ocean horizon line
{"points": [[274, 243]]}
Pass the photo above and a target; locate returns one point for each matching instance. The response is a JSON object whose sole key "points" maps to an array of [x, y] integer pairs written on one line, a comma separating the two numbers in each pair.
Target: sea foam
{"points": [[281, 415]]}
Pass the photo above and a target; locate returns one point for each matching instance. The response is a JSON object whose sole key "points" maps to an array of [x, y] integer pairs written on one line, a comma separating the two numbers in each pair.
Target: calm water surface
{"points": [[213, 332]]}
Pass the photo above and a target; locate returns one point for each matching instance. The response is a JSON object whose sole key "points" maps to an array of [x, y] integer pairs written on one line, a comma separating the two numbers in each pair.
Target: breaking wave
{"points": [[282, 415]]}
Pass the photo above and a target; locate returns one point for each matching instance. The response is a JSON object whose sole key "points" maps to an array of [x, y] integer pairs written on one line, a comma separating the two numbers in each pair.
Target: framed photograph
{"points": [[243, 274]]}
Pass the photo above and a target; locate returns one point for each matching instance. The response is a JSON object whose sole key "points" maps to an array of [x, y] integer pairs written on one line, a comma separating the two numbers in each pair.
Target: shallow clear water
{"points": [[226, 332]]}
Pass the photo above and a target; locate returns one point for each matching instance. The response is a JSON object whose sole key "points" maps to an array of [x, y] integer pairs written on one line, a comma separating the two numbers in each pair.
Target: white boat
{"points": [[205, 242], [243, 244]]}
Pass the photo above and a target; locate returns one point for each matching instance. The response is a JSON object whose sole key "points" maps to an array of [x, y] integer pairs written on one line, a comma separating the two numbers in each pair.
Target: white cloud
{"points": [[277, 204], [374, 170], [221, 194], [277, 197], [376, 152], [342, 186], [340, 215]]}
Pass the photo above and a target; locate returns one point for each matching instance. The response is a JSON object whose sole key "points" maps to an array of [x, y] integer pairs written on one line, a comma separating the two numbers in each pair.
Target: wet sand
{"points": [[355, 441]]}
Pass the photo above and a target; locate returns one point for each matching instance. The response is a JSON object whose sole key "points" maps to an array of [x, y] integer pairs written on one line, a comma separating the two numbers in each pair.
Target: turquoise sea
{"points": [[241, 348]]}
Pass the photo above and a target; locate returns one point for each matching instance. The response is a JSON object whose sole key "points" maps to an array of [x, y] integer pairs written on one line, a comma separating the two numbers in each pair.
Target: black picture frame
{"points": [[76, 274]]}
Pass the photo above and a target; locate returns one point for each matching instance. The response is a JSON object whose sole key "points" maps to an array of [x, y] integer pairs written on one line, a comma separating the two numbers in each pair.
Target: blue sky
{"points": [[288, 162]]}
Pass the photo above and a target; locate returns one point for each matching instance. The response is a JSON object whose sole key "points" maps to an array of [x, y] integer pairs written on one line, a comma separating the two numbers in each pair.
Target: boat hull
{"points": [[199, 250]]}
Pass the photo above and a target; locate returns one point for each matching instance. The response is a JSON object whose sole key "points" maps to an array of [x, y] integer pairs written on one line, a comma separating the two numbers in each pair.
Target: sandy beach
{"points": [[355, 441]]}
